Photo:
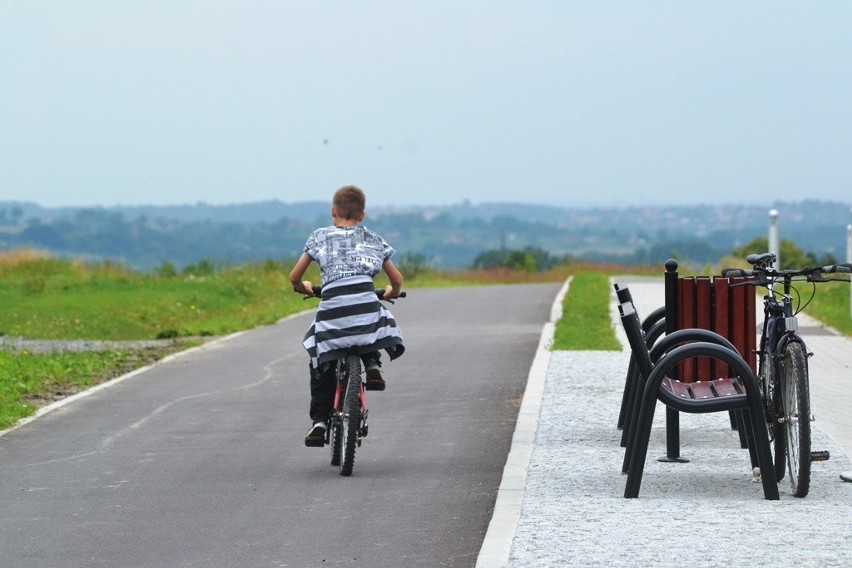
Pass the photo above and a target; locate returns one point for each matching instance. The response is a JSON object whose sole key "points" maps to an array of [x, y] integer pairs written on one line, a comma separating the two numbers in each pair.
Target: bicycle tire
{"points": [[334, 432], [336, 442], [772, 404], [351, 414], [797, 418]]}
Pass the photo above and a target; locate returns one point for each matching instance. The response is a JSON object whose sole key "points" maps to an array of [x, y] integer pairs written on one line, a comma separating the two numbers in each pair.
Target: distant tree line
{"points": [[529, 259], [437, 238], [792, 257]]}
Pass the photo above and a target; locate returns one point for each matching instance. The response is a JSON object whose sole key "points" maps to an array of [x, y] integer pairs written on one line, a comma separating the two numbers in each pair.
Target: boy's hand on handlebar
{"points": [[306, 288], [388, 294]]}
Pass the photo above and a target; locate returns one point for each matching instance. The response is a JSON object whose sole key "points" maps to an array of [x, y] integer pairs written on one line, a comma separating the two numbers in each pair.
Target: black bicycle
{"points": [[348, 422], [783, 363]]}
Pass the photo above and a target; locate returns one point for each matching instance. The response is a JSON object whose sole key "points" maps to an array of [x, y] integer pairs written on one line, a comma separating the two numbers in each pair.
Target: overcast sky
{"points": [[420, 102]]}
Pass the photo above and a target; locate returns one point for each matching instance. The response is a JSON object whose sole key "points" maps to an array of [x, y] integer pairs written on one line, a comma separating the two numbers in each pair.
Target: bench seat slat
{"points": [[677, 388], [728, 387], [704, 390]]}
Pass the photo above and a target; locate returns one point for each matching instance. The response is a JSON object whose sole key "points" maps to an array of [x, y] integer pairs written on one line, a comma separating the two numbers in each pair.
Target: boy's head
{"points": [[349, 202]]}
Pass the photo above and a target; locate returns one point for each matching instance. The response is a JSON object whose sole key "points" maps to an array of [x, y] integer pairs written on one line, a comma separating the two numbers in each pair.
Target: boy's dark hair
{"points": [[350, 202]]}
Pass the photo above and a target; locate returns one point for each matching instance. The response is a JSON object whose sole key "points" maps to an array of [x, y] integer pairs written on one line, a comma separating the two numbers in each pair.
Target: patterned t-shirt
{"points": [[347, 251]]}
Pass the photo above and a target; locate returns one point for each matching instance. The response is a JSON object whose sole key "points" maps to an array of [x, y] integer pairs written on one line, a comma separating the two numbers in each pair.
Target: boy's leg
{"points": [[372, 364], [322, 403]]}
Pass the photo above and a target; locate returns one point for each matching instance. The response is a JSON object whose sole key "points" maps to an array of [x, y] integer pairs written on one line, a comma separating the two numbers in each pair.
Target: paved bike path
{"points": [[200, 460], [561, 503]]}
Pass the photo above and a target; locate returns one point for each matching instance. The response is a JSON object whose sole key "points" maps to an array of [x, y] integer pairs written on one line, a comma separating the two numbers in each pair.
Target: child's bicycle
{"points": [[783, 364], [348, 423]]}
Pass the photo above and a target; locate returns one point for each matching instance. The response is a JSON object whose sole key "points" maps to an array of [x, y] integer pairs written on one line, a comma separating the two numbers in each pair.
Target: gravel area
{"points": [[77, 345], [708, 512]]}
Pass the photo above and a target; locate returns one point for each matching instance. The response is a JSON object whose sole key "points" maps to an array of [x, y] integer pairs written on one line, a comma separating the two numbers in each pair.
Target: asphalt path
{"points": [[200, 460]]}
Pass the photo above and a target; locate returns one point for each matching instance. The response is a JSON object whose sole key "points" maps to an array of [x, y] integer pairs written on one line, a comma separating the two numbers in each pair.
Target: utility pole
{"points": [[774, 247]]}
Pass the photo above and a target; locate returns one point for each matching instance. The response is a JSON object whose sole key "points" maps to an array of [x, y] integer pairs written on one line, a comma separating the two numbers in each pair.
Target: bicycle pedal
{"points": [[820, 456]]}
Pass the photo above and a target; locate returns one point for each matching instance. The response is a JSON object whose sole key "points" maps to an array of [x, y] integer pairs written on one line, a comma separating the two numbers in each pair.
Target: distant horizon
{"points": [[463, 202]]}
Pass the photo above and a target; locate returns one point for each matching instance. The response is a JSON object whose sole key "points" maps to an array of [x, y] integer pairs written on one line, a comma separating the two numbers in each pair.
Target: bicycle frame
{"points": [[780, 327], [781, 313]]}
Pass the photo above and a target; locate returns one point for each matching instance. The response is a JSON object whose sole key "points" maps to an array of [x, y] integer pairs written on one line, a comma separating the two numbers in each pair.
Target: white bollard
{"points": [[774, 247]]}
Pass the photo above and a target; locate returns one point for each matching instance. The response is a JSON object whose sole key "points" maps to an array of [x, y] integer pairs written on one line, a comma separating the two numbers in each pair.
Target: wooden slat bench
{"points": [[696, 391], [739, 392]]}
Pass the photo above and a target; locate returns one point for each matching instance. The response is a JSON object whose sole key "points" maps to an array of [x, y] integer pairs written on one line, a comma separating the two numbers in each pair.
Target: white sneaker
{"points": [[316, 435], [375, 381]]}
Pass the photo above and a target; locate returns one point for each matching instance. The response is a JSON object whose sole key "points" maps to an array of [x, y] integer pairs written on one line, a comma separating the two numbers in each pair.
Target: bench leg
{"points": [[627, 395], [740, 417], [738, 424], [628, 435], [638, 447], [759, 442], [632, 406], [672, 438]]}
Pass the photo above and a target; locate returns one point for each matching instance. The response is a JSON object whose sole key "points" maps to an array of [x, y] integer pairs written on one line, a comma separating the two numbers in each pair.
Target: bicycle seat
{"points": [[761, 259]]}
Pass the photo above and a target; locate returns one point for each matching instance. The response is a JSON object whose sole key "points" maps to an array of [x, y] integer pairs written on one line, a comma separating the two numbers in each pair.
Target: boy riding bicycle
{"points": [[349, 314]]}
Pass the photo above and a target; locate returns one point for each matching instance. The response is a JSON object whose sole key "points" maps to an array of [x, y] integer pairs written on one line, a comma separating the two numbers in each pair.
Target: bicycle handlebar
{"points": [[317, 293], [765, 273]]}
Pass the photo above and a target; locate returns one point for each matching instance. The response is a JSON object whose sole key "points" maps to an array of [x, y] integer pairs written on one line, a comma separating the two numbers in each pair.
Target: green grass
{"points": [[585, 322], [31, 380], [58, 299], [831, 306]]}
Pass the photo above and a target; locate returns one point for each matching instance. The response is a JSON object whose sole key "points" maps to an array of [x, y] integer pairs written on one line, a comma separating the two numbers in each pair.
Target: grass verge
{"points": [[29, 381], [831, 306], [585, 324]]}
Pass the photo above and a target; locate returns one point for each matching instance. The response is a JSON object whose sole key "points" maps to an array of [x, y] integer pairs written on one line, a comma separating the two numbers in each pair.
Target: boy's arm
{"points": [[299, 285], [393, 289]]}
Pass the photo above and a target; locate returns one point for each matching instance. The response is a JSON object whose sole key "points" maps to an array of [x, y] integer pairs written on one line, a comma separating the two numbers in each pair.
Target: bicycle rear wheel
{"points": [[351, 414], [797, 418]]}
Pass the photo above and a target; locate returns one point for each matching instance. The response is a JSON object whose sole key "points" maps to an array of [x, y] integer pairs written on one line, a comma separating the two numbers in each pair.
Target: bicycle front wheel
{"points": [[772, 404], [797, 418], [351, 414], [335, 435]]}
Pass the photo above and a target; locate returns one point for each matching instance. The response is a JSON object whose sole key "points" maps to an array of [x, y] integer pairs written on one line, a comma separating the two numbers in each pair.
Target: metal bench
{"points": [[737, 391], [658, 345]]}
